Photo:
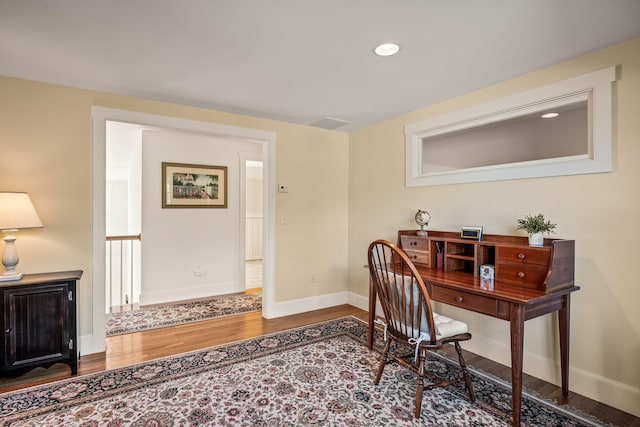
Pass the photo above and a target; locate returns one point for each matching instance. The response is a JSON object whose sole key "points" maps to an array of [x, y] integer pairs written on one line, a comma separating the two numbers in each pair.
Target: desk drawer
{"points": [[527, 276], [535, 256], [465, 300], [418, 257], [414, 243]]}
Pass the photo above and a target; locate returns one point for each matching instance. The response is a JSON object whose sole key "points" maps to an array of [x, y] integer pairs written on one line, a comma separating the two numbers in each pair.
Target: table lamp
{"points": [[16, 212]]}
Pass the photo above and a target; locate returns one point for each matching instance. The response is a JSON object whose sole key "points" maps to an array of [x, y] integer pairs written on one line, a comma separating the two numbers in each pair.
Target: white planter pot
{"points": [[536, 239]]}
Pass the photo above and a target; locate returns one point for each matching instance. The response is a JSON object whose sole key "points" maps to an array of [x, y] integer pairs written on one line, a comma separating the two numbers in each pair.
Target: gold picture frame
{"points": [[193, 186]]}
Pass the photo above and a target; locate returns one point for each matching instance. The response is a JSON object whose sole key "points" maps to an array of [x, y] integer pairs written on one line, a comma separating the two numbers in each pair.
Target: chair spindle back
{"points": [[401, 291]]}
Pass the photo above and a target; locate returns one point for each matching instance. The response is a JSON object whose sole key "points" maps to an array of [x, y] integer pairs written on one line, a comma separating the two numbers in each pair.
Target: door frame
{"points": [[94, 342]]}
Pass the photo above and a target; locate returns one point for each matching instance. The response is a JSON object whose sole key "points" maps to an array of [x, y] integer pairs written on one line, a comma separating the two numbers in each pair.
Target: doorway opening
{"points": [[253, 221], [185, 269], [94, 341]]}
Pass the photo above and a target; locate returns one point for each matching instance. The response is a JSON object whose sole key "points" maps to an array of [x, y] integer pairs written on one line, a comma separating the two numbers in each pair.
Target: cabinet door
{"points": [[36, 320]]}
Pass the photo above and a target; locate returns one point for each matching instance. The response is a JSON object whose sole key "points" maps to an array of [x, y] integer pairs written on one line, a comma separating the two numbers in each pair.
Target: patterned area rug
{"points": [[158, 316], [320, 375]]}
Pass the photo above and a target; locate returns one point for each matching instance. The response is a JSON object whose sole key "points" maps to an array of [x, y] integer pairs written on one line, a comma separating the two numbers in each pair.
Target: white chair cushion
{"points": [[447, 327]]}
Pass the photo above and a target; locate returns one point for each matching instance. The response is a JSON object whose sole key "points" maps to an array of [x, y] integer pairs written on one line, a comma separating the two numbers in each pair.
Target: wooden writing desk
{"points": [[529, 282]]}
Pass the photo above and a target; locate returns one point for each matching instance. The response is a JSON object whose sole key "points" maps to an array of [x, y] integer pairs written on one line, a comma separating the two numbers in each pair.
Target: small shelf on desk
{"points": [[460, 249], [453, 263], [461, 256]]}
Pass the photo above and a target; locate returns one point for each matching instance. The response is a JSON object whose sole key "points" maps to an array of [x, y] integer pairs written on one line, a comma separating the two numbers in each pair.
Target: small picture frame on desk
{"points": [[487, 271], [487, 274]]}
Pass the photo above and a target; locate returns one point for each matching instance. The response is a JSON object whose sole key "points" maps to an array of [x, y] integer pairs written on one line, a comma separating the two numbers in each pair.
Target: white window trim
{"points": [[595, 87]]}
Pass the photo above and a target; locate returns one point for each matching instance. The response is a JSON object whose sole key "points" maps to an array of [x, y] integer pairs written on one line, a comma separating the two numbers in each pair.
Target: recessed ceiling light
{"points": [[386, 49], [550, 115]]}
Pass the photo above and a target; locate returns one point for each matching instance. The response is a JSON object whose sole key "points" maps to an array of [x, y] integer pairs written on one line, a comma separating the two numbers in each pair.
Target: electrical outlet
{"points": [[197, 272], [284, 219], [313, 277]]}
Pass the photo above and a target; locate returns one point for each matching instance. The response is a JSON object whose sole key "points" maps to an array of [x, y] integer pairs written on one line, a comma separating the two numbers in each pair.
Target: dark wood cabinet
{"points": [[39, 321]]}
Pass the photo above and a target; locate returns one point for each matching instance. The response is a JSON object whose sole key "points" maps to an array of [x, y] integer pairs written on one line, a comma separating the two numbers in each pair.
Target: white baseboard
{"points": [[613, 393], [358, 301], [596, 387], [362, 303], [303, 305], [90, 345], [181, 294]]}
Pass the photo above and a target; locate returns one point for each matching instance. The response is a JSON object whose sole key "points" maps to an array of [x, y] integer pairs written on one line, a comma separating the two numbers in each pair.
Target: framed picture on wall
{"points": [[193, 186]]}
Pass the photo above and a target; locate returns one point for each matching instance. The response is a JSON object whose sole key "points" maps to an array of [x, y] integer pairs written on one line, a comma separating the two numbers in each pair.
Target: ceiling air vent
{"points": [[330, 123]]}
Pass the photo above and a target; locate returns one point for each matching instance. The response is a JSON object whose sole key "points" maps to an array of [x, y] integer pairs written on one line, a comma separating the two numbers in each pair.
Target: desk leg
{"points": [[372, 312], [517, 347], [563, 323]]}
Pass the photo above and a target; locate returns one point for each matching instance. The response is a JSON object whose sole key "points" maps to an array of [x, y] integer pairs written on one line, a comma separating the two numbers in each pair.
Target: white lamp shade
{"points": [[17, 211]]}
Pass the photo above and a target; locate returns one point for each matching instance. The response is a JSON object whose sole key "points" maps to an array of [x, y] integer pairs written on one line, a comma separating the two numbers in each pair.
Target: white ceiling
{"points": [[300, 60]]}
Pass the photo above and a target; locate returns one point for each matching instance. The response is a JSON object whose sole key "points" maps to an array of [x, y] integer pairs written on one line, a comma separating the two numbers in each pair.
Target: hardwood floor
{"points": [[122, 350]]}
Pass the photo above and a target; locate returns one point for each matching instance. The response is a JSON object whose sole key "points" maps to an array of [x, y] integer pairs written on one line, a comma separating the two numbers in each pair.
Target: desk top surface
{"points": [[468, 283]]}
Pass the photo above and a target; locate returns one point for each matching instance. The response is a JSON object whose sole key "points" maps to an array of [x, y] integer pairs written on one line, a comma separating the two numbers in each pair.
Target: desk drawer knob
{"points": [[521, 255], [521, 274], [459, 299]]}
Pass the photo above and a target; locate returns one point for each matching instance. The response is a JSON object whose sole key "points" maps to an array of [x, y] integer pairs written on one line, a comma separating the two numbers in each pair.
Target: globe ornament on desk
{"points": [[422, 219]]}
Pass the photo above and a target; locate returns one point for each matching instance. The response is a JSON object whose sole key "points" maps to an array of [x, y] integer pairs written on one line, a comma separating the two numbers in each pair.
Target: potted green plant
{"points": [[535, 226]]}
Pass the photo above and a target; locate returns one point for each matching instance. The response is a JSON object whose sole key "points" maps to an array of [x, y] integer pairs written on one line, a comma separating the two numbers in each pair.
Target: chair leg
{"points": [[465, 372], [420, 385], [383, 362]]}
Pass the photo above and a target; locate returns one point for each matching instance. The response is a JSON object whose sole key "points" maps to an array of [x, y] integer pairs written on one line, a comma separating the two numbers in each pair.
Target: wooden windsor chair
{"points": [[410, 320]]}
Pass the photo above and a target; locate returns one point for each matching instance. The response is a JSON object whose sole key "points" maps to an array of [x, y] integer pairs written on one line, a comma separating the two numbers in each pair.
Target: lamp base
{"points": [[11, 277], [10, 258]]}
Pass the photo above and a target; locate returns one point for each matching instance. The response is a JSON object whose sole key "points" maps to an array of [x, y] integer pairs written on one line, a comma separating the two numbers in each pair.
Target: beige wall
{"points": [[45, 140], [599, 211]]}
